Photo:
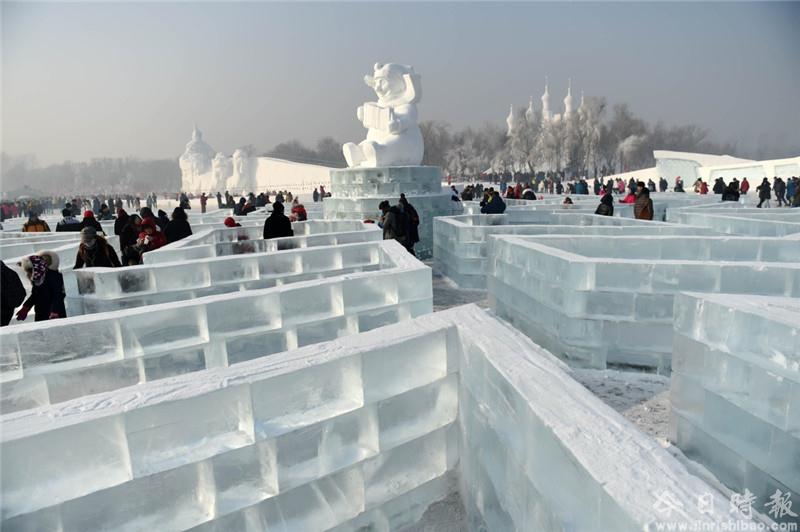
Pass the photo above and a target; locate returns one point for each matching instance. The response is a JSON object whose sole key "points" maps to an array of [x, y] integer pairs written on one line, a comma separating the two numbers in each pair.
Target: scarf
{"points": [[39, 269]]}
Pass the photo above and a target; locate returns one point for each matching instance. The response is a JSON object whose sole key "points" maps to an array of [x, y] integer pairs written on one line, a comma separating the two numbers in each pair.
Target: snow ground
{"points": [[641, 398], [446, 294]]}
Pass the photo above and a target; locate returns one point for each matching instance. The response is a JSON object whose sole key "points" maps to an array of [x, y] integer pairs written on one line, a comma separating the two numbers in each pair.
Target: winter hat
{"points": [[88, 214], [230, 222], [89, 236], [148, 222]]}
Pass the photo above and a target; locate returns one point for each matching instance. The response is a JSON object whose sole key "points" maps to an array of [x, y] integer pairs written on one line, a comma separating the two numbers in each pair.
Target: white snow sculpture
{"points": [[222, 169], [242, 177], [196, 159], [393, 136]]}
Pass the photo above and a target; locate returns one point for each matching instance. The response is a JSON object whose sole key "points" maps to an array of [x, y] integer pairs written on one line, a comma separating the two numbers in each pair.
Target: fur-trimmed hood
{"points": [[52, 259]]}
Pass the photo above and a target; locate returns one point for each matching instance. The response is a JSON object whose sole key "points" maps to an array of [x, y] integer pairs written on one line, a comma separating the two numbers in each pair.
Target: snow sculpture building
{"points": [[393, 135], [204, 170], [691, 166], [196, 160], [387, 163]]}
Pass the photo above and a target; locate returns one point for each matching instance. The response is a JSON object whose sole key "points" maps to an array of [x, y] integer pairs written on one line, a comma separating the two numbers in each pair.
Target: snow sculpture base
{"points": [[356, 193]]}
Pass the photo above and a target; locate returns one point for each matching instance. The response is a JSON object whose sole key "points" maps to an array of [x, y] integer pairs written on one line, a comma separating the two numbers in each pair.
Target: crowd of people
{"points": [[399, 222], [785, 192], [140, 232]]}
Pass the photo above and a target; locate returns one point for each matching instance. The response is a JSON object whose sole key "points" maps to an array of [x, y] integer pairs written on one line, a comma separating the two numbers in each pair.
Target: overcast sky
{"points": [[110, 79]]}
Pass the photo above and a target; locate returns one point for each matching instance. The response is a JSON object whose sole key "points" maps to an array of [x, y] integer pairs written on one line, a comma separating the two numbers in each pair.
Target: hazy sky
{"points": [[113, 79]]}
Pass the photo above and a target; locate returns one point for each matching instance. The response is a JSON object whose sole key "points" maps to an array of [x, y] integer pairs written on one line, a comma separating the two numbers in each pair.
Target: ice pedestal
{"points": [[364, 433], [356, 193], [736, 389]]}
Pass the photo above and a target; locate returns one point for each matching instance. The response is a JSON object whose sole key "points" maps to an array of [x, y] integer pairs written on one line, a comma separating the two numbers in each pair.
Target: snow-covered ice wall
{"points": [[742, 221], [735, 389], [598, 301], [93, 290], [460, 243], [238, 240], [365, 432], [48, 362]]}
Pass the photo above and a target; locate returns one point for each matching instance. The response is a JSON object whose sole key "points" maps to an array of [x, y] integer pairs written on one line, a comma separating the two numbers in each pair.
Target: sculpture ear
{"points": [[413, 93], [370, 81]]}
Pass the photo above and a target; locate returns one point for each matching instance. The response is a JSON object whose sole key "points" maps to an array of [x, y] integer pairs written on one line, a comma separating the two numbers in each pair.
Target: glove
{"points": [[23, 313]]}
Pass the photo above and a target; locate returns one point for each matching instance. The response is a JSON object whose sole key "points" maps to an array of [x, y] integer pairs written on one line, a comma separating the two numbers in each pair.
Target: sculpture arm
{"points": [[402, 117]]}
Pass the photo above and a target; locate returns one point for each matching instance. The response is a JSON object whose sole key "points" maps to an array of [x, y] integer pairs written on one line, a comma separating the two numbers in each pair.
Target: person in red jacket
{"points": [[745, 186], [703, 187], [299, 213], [150, 238]]}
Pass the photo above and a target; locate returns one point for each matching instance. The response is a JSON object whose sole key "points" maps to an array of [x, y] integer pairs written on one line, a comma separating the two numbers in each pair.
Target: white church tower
{"points": [[568, 101], [511, 121], [546, 115], [530, 112]]}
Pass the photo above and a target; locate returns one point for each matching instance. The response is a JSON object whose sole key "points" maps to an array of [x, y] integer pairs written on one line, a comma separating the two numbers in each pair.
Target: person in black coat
{"points": [[127, 240], [764, 192], [95, 251], [606, 207], [12, 293], [121, 221], [90, 221], [277, 225], [47, 292], [178, 227], [413, 222], [162, 220]]}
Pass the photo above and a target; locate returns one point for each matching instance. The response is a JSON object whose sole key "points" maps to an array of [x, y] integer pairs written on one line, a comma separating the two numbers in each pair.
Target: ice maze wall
{"points": [[363, 433], [49, 362], [745, 222], [608, 301], [92, 290], [248, 239], [460, 243], [735, 390]]}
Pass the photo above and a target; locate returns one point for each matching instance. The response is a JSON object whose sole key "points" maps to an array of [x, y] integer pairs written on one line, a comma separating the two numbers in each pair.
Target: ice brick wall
{"points": [[19, 246], [460, 242], [363, 433], [243, 244], [769, 224], [306, 440], [541, 452], [93, 290], [599, 301], [49, 362], [735, 389]]}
